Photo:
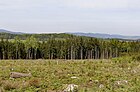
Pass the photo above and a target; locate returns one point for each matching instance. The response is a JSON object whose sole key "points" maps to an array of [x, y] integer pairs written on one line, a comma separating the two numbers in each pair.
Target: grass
{"points": [[115, 75]]}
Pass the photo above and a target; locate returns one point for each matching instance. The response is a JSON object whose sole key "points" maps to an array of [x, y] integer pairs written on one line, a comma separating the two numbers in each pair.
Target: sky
{"points": [[58, 16]]}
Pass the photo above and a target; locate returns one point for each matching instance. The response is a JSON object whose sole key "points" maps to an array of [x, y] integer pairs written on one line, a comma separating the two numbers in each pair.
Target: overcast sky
{"points": [[49, 16]]}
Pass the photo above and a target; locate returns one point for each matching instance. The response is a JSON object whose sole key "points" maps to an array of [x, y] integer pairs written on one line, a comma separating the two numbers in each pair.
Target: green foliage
{"points": [[63, 46], [40, 37]]}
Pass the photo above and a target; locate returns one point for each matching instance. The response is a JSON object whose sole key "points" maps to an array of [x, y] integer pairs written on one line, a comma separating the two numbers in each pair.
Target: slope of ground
{"points": [[117, 75]]}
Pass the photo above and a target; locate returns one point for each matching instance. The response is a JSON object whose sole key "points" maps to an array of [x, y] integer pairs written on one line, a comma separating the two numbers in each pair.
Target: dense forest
{"points": [[63, 46], [40, 37]]}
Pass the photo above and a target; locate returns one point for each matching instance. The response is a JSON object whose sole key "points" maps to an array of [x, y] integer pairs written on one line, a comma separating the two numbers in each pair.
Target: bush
{"points": [[136, 57]]}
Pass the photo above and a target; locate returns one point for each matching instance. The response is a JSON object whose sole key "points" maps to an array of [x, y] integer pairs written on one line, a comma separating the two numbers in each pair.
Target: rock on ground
{"points": [[71, 88], [19, 75]]}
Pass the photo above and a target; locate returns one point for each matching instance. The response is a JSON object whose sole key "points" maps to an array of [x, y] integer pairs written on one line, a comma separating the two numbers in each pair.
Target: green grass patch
{"points": [[116, 75]]}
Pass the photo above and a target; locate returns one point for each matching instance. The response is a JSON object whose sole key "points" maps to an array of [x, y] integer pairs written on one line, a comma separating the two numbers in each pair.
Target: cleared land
{"points": [[116, 75]]}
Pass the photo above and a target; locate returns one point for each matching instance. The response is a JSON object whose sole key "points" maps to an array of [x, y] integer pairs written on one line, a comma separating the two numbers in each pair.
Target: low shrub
{"points": [[136, 57]]}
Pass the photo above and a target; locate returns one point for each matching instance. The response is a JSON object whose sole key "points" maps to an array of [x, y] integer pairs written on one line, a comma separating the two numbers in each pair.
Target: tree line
{"points": [[40, 37], [72, 47]]}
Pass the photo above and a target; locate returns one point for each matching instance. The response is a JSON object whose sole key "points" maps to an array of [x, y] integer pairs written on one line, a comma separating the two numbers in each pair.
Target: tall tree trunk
{"points": [[116, 52], [110, 53], [91, 54], [71, 52], [81, 53]]}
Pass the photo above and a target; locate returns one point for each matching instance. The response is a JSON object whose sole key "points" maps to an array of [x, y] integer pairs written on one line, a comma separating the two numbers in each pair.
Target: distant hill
{"points": [[106, 36], [41, 37], [6, 31], [95, 35]]}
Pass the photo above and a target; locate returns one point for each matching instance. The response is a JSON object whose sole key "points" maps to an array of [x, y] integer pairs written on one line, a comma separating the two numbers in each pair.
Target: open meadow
{"points": [[114, 75]]}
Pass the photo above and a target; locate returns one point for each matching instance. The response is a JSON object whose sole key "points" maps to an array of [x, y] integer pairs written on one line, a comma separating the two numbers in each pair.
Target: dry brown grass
{"points": [[34, 82]]}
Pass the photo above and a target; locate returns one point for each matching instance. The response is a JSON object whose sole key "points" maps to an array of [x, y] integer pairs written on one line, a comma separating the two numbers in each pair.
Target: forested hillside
{"points": [[40, 37], [71, 47]]}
